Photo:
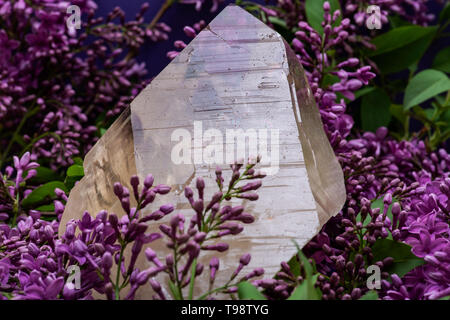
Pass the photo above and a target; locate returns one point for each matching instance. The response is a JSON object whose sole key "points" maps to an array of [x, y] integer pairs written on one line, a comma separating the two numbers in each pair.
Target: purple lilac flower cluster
{"points": [[39, 53], [35, 261], [13, 188]]}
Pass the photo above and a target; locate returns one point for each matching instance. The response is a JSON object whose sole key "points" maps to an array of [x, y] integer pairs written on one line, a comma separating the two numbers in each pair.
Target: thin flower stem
{"points": [[192, 281], [117, 287], [160, 13], [178, 283]]}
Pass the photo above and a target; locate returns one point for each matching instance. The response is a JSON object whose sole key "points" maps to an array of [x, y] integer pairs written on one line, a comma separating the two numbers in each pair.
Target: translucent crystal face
{"points": [[236, 90]]}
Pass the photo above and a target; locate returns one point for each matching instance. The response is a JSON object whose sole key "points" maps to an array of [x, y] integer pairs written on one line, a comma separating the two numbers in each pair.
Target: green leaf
{"points": [[445, 14], [379, 203], [398, 113], [398, 38], [307, 291], [401, 47], [397, 22], [375, 110], [329, 80], [442, 60], [247, 291], [294, 265], [70, 181], [44, 175], [363, 92], [42, 194], [174, 291], [75, 170], [74, 173], [425, 85], [78, 160], [314, 12], [404, 259], [46, 208], [371, 295], [309, 269], [366, 219]]}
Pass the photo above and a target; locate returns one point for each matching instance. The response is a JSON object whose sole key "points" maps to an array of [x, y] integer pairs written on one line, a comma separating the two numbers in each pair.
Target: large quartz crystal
{"points": [[236, 74]]}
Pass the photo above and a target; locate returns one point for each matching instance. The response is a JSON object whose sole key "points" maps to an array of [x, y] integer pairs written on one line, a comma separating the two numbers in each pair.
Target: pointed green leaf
{"points": [[404, 259], [371, 295], [375, 110], [75, 170], [445, 14], [307, 291], [442, 60], [44, 175], [401, 47], [42, 194], [247, 291], [425, 85], [314, 12]]}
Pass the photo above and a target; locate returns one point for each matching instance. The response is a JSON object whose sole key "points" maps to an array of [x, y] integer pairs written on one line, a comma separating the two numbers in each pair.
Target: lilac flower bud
{"points": [[107, 261], [215, 199], [199, 269], [148, 182], [354, 84], [245, 259], [190, 32], [387, 199], [231, 290], [198, 207], [249, 196], [200, 237], [169, 261], [167, 208], [245, 218], [396, 281], [151, 256], [189, 194], [251, 186], [396, 234], [200, 184], [70, 231], [235, 211], [168, 231], [162, 189], [118, 189], [213, 266], [149, 196], [49, 232], [143, 277], [221, 247], [134, 181]]}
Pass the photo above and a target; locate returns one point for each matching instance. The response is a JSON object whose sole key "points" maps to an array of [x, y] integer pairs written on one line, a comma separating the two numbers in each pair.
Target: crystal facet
{"points": [[236, 74]]}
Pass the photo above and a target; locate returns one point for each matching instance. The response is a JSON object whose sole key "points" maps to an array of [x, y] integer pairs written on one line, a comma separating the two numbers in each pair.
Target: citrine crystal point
{"points": [[236, 74]]}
